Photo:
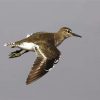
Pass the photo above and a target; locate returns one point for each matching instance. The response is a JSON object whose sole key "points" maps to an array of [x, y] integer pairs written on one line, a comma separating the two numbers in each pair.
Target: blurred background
{"points": [[77, 75]]}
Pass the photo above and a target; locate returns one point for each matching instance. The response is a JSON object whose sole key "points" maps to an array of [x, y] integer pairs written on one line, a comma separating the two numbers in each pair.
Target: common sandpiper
{"points": [[44, 44]]}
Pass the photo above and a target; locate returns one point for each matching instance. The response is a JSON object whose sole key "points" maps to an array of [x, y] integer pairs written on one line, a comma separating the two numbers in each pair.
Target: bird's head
{"points": [[67, 32]]}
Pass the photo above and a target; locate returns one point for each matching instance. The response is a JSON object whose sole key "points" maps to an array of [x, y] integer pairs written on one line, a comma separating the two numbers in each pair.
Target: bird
{"points": [[44, 44]]}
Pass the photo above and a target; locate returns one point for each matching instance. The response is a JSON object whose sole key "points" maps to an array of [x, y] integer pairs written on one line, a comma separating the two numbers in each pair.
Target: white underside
{"points": [[28, 46], [31, 46]]}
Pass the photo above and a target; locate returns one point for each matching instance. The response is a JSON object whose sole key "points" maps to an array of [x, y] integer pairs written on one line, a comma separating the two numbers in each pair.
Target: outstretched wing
{"points": [[47, 55]]}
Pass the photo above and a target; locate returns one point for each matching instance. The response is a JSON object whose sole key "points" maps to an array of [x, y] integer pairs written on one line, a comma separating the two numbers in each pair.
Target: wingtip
{"points": [[28, 35], [27, 83]]}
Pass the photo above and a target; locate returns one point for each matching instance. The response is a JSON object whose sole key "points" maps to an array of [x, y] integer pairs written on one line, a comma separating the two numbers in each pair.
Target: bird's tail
{"points": [[10, 44]]}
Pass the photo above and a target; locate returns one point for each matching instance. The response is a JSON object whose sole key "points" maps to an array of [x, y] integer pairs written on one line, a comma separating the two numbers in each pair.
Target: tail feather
{"points": [[10, 44]]}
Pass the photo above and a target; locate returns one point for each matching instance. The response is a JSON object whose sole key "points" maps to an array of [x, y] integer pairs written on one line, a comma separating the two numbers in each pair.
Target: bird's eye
{"points": [[68, 31]]}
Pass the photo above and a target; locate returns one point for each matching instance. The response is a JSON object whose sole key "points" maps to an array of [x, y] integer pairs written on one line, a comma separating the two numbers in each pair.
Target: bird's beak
{"points": [[74, 34]]}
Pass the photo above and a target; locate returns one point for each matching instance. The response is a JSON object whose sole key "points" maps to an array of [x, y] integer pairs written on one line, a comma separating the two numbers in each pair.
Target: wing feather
{"points": [[41, 65], [37, 70]]}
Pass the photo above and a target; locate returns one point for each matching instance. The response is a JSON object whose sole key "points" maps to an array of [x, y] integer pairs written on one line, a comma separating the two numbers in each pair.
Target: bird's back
{"points": [[39, 37]]}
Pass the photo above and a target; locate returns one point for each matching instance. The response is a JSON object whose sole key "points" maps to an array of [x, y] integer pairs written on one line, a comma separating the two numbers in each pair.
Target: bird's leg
{"points": [[17, 53]]}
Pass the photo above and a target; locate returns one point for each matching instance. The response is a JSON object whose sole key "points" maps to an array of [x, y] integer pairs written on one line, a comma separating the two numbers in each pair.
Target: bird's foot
{"points": [[15, 54]]}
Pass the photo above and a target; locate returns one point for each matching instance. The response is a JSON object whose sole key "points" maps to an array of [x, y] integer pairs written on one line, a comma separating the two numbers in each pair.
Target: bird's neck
{"points": [[58, 38]]}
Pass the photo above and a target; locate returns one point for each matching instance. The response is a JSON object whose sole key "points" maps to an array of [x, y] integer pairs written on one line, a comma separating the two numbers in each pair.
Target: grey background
{"points": [[77, 75]]}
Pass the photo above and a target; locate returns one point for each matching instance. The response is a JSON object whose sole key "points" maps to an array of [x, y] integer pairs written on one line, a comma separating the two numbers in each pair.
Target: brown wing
{"points": [[41, 66]]}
